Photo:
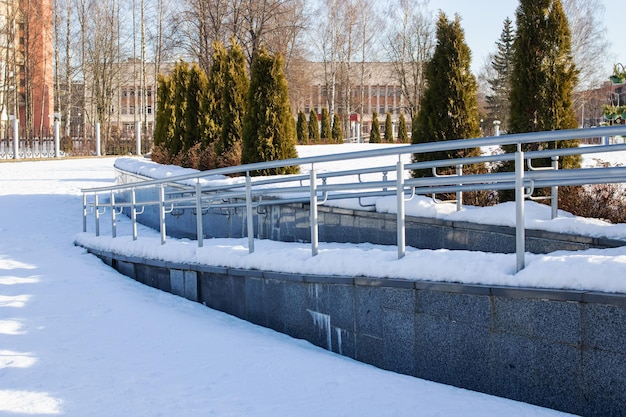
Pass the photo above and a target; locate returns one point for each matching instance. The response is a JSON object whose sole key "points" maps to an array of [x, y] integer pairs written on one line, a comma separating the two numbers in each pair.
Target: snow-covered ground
{"points": [[79, 339]]}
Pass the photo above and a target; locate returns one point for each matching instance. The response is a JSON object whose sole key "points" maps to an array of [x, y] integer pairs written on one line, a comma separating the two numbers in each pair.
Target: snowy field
{"points": [[78, 339]]}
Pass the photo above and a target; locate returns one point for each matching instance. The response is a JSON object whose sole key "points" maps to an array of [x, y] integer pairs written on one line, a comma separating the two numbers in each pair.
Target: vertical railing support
{"points": [[555, 190], [162, 213], [313, 216], [96, 213], [199, 231], [249, 218], [113, 216], [84, 212], [401, 235], [459, 194], [133, 212], [520, 232]]}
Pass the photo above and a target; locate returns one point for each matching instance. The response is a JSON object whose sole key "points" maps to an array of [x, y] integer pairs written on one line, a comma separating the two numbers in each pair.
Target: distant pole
{"points": [[57, 139], [98, 144], [496, 126], [138, 136], [16, 138]]}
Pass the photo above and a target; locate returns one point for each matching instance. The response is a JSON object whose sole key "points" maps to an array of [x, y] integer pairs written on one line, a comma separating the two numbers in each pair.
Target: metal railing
{"points": [[193, 191]]}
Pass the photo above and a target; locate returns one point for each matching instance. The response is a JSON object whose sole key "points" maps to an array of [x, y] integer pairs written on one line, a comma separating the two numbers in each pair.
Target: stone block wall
{"points": [[564, 350]]}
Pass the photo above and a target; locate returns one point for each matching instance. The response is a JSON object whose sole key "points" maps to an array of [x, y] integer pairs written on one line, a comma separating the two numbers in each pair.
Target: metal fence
{"points": [[192, 191]]}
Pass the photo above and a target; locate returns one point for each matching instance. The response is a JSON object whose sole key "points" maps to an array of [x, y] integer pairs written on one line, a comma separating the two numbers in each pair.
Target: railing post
{"points": [[459, 194], [133, 212], [313, 217], [96, 213], [249, 218], [113, 219], [555, 190], [401, 235], [520, 232], [199, 231], [162, 213], [84, 212]]}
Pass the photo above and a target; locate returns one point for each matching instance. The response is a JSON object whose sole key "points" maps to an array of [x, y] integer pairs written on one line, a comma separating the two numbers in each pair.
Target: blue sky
{"points": [[482, 21]]}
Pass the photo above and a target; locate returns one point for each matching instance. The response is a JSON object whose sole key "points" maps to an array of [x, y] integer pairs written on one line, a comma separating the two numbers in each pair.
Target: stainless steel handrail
{"points": [[194, 191]]}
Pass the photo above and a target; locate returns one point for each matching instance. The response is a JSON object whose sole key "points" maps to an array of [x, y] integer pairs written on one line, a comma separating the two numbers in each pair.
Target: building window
{"points": [[149, 109], [131, 110]]}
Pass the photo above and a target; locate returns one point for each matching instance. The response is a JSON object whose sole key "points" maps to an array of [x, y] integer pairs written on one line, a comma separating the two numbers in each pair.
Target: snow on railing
{"points": [[194, 191]]}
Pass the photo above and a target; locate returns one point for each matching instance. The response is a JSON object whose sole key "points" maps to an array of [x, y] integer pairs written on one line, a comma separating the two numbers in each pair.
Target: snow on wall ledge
{"points": [[560, 349]]}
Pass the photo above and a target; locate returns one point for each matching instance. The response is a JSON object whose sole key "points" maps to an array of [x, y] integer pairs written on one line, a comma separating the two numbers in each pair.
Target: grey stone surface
{"points": [[566, 351]]}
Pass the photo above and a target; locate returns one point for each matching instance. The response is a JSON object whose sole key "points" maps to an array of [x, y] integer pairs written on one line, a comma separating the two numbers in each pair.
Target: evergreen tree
{"points": [[449, 108], [269, 131], [195, 121], [233, 105], [502, 63], [337, 133], [302, 129], [215, 91], [388, 128], [180, 77], [543, 78], [403, 135], [164, 117], [375, 132], [326, 133], [314, 128]]}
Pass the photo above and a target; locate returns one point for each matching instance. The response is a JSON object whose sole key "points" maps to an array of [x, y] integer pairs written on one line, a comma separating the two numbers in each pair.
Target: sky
{"points": [[79, 339], [483, 20]]}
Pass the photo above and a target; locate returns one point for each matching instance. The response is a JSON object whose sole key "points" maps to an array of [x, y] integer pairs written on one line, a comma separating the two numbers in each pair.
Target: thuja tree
{"points": [[337, 133], [213, 106], [233, 106], [543, 79], [179, 121], [403, 135], [326, 132], [375, 131], [388, 128], [269, 131], [449, 108], [302, 129], [314, 128]]}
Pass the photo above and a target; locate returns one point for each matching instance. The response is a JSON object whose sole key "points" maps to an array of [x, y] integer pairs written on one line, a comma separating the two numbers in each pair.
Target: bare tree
{"points": [[411, 40]]}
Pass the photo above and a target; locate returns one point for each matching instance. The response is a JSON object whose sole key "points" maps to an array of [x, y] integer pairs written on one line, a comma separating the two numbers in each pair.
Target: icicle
{"points": [[322, 321]]}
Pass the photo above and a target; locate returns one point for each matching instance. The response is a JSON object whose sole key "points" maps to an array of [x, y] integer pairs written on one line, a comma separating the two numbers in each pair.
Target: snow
{"points": [[79, 339]]}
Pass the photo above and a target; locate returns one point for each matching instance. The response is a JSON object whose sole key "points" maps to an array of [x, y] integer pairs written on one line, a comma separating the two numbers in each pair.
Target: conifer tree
{"points": [[302, 129], [314, 128], [213, 103], [195, 121], [543, 79], [403, 135], [269, 131], [498, 102], [375, 132], [337, 133], [326, 132], [164, 117], [449, 108], [388, 128], [234, 97]]}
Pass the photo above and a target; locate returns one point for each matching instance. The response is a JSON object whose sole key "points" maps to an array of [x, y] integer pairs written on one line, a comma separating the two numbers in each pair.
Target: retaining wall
{"points": [[559, 349]]}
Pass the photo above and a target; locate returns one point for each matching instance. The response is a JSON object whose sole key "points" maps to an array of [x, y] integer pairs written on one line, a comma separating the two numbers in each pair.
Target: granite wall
{"points": [[559, 349]]}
